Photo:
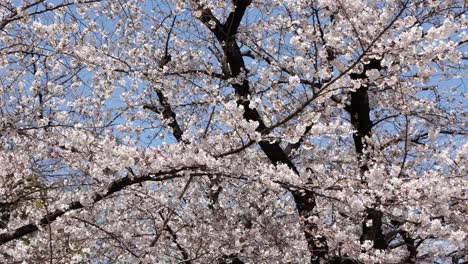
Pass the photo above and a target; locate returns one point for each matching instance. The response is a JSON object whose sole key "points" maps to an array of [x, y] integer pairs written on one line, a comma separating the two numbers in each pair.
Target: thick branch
{"points": [[233, 22], [167, 112], [359, 111], [114, 187], [410, 246], [305, 201]]}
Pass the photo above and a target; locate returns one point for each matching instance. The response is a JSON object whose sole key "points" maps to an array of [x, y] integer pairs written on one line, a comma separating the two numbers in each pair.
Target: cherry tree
{"points": [[246, 131]]}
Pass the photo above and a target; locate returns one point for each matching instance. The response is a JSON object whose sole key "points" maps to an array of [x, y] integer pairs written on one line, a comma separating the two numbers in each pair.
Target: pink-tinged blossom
{"points": [[238, 131]]}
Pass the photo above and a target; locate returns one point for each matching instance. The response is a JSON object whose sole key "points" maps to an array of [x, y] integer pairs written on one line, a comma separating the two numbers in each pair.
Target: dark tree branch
{"points": [[13, 16], [167, 111], [359, 111], [173, 234], [410, 246], [233, 22], [114, 187], [290, 147], [305, 200], [4, 215], [110, 234]]}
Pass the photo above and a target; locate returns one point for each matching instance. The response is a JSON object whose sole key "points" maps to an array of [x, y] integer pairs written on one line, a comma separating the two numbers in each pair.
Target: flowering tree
{"points": [[233, 131]]}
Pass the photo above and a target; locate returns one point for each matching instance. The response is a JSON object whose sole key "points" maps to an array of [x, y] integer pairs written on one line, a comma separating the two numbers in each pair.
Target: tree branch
{"points": [[114, 187]]}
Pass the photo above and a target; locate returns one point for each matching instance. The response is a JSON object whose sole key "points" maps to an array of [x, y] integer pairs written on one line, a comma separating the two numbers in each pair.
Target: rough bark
{"points": [[225, 34], [359, 111]]}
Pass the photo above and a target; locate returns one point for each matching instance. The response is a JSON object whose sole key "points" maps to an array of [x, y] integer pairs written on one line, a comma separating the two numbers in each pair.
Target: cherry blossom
{"points": [[233, 131]]}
